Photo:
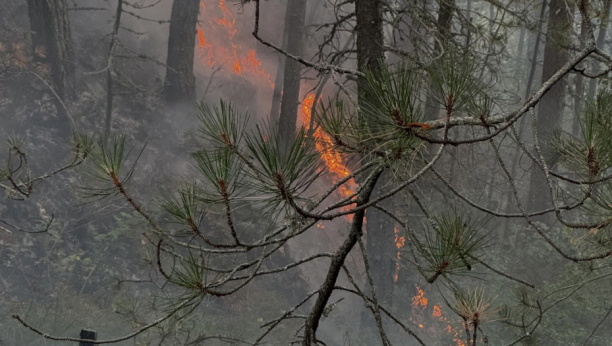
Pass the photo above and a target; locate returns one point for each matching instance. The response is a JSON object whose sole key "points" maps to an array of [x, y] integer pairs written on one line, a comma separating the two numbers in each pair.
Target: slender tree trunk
{"points": [[578, 97], [445, 16], [520, 50], [380, 245], [295, 17], [551, 106], [370, 37], [179, 85], [601, 37], [339, 257], [280, 71], [517, 154], [370, 54], [468, 28], [52, 42], [278, 84], [491, 17], [109, 71]]}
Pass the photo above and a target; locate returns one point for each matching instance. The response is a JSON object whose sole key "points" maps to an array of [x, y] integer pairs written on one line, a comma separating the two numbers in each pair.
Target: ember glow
{"points": [[420, 313], [400, 241], [325, 146], [437, 312], [216, 44], [419, 300]]}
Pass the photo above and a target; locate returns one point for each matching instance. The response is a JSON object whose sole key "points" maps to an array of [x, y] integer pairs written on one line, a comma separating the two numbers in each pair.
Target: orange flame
{"points": [[419, 300], [437, 312], [419, 303], [221, 48], [201, 39], [237, 68], [324, 145], [400, 241]]}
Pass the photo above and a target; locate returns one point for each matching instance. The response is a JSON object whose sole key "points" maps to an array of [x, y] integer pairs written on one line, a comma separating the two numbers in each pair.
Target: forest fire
{"points": [[216, 45], [324, 145], [419, 299], [420, 311], [400, 241]]}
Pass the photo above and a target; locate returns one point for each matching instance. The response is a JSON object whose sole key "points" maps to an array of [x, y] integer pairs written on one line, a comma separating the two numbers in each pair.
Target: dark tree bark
{"points": [[52, 42], [370, 39], [551, 106], [445, 16], [370, 53], [179, 85], [294, 26]]}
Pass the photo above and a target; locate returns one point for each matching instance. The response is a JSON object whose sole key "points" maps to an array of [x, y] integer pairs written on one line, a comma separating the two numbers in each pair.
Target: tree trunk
{"points": [[445, 16], [380, 245], [278, 84], [370, 37], [508, 198], [551, 106], [109, 71], [578, 97], [370, 53], [468, 27], [520, 50], [338, 259], [294, 25], [601, 37], [179, 85], [52, 42], [492, 17]]}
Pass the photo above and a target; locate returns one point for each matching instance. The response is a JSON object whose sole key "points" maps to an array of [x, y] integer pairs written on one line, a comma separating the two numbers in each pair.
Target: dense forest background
{"points": [[479, 79]]}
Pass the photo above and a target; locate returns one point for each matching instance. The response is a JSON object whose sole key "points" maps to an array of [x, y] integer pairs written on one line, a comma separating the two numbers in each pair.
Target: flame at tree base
{"points": [[419, 313], [325, 147]]}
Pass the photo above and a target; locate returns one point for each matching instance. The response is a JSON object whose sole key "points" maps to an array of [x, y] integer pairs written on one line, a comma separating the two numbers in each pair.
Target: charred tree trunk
{"points": [[290, 100], [179, 85], [370, 37], [601, 37], [551, 106], [52, 42]]}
